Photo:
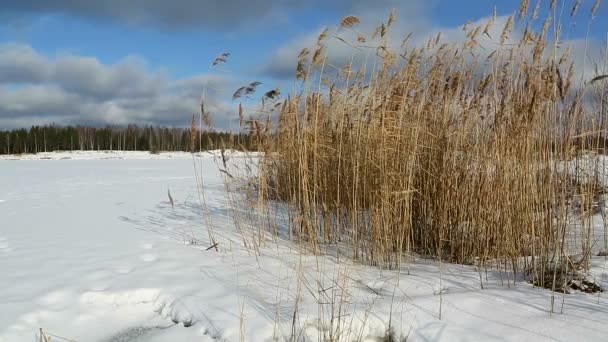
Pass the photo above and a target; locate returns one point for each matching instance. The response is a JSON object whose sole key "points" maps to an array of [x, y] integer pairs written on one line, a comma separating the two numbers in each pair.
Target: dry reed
{"points": [[451, 151]]}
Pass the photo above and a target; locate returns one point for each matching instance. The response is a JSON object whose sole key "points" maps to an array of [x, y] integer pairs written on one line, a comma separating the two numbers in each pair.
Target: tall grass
{"points": [[461, 152]]}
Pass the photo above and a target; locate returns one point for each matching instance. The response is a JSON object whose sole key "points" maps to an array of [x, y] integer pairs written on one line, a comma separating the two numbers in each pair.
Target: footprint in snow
{"points": [[56, 300], [147, 246], [148, 257], [98, 280], [124, 270]]}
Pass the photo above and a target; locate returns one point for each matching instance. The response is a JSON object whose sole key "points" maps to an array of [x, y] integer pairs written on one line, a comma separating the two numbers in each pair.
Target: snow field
{"points": [[92, 250]]}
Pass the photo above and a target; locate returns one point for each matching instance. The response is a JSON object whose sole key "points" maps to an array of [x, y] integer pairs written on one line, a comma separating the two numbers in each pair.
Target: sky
{"points": [[117, 62]]}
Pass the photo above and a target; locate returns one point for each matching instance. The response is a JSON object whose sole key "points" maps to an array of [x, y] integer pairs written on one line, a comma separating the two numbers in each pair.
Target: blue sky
{"points": [[115, 62]]}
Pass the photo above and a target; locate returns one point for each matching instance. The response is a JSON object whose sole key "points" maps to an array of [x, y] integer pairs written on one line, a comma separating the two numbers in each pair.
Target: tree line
{"points": [[50, 138]]}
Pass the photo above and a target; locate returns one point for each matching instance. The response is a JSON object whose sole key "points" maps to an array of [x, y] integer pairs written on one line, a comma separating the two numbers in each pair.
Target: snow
{"points": [[91, 249], [95, 155]]}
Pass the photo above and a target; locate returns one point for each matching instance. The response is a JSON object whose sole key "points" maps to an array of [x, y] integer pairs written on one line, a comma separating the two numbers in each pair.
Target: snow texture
{"points": [[91, 249]]}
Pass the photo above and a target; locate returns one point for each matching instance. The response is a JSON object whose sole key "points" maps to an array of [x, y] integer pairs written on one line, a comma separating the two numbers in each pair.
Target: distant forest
{"points": [[118, 138]]}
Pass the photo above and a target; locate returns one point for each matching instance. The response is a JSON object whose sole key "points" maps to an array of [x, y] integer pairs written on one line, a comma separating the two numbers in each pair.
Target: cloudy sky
{"points": [[147, 61]]}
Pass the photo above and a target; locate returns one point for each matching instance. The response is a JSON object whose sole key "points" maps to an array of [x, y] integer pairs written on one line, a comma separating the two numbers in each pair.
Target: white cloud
{"points": [[71, 89], [282, 62], [412, 21], [412, 17]]}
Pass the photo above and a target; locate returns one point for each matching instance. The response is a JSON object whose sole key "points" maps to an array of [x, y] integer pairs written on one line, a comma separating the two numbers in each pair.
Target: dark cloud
{"points": [[20, 63], [31, 101], [210, 14], [168, 14], [88, 76]]}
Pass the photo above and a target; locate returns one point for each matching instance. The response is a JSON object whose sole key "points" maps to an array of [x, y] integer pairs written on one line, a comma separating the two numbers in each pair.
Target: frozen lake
{"points": [[92, 250]]}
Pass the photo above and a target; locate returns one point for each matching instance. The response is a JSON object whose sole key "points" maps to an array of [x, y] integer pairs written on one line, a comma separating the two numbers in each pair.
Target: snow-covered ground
{"points": [[95, 155], [91, 249]]}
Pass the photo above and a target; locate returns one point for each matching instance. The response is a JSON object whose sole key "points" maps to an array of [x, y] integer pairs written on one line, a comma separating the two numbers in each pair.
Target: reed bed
{"points": [[460, 152]]}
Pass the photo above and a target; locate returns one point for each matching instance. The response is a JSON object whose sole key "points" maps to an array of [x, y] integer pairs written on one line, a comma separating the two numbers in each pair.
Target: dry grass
{"points": [[482, 155], [452, 151]]}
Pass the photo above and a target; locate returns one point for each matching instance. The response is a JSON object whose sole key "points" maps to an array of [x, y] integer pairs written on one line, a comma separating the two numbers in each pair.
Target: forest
{"points": [[116, 138]]}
